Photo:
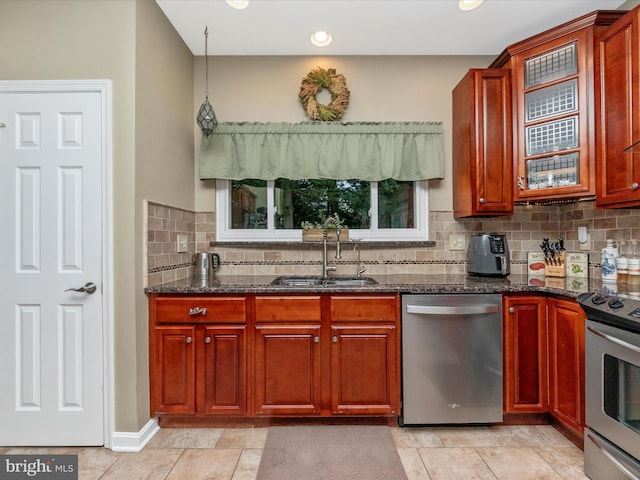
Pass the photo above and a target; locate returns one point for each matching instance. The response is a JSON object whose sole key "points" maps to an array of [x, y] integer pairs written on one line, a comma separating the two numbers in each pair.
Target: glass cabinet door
{"points": [[552, 140]]}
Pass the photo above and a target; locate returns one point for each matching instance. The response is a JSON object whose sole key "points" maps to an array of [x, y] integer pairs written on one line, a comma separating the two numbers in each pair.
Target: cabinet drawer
{"points": [[288, 308], [201, 310], [358, 307]]}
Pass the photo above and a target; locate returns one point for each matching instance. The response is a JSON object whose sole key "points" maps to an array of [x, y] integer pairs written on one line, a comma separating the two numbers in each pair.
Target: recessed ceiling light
{"points": [[238, 4], [321, 38], [469, 4]]}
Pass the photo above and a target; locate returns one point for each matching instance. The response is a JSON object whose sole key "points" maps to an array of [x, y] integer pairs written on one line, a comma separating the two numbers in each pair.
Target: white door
{"points": [[51, 337]]}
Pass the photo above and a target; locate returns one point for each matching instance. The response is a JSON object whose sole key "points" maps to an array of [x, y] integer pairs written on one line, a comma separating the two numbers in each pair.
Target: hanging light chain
{"points": [[206, 61]]}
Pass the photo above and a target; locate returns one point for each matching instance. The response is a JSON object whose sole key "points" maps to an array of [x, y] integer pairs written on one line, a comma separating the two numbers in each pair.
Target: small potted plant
{"points": [[314, 232]]}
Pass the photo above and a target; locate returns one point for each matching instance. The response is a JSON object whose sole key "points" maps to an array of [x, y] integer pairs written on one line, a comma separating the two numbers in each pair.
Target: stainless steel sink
{"points": [[351, 281], [296, 281]]}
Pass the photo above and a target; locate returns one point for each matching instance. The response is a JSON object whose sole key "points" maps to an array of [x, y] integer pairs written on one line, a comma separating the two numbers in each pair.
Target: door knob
{"points": [[512, 310], [89, 288]]}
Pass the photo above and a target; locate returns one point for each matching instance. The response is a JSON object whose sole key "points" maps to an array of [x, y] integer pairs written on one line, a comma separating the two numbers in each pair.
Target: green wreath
{"points": [[313, 83]]}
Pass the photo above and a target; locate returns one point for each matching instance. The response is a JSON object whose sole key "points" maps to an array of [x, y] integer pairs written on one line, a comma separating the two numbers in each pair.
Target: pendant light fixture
{"points": [[206, 116]]}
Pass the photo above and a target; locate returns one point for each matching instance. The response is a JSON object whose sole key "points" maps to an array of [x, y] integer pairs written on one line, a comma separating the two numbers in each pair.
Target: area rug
{"points": [[330, 452]]}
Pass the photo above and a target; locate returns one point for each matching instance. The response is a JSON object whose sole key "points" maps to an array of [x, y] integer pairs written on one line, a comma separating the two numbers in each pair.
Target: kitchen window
{"points": [[273, 210]]}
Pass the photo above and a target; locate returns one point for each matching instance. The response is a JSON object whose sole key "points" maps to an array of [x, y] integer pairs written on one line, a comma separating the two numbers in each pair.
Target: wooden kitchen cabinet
{"points": [[329, 355], [482, 144], [566, 324], [525, 354], [287, 355], [617, 70], [365, 378], [173, 370], [198, 355], [553, 99], [544, 358]]}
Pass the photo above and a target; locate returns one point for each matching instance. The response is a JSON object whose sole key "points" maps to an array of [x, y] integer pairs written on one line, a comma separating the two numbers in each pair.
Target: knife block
{"points": [[556, 267]]}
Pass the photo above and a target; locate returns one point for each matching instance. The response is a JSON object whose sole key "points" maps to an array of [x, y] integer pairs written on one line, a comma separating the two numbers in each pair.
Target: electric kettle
{"points": [[205, 264]]}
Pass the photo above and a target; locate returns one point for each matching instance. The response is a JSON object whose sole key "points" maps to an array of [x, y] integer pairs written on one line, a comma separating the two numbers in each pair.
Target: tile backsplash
{"points": [[524, 230]]}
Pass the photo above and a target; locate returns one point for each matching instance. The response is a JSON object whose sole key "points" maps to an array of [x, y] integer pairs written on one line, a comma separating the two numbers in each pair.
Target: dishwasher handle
{"points": [[453, 309]]}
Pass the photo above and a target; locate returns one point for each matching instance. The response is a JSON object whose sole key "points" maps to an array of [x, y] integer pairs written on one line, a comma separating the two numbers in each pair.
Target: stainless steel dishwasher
{"points": [[451, 359]]}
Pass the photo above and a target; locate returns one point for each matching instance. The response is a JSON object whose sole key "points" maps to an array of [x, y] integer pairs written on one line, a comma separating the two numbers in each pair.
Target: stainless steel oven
{"points": [[612, 365]]}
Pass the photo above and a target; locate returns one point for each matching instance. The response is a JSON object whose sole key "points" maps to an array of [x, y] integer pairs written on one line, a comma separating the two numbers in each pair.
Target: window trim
{"points": [[270, 234]]}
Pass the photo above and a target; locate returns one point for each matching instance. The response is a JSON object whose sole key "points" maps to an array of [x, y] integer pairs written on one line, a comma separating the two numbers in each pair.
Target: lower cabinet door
{"points": [[566, 363], [225, 370], [525, 355], [173, 376], [364, 377], [287, 370]]}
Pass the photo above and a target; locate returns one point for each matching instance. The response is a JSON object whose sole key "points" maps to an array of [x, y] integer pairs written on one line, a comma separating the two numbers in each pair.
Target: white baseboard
{"points": [[134, 441]]}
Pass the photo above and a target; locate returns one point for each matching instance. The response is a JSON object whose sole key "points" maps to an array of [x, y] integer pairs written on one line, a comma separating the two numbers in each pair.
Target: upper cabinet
{"points": [[482, 149], [553, 101], [617, 70]]}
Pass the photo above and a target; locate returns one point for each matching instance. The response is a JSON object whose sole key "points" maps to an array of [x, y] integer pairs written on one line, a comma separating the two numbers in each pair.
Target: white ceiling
{"points": [[368, 27]]}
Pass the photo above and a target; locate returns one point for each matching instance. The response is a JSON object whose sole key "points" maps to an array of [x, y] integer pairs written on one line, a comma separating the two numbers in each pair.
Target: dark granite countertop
{"points": [[227, 284]]}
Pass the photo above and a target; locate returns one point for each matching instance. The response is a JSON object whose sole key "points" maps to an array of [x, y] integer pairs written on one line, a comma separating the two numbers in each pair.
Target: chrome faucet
{"points": [[326, 268], [359, 269]]}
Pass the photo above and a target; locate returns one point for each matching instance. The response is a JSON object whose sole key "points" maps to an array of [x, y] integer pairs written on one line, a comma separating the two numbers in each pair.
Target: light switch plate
{"points": [[456, 241], [182, 243]]}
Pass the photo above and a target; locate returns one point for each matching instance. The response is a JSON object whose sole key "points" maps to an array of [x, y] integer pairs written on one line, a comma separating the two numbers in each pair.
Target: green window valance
{"points": [[365, 150]]}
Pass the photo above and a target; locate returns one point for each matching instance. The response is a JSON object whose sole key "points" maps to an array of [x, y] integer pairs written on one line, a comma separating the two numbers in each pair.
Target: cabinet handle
{"points": [[189, 340], [335, 339], [198, 311], [512, 310], [520, 182], [207, 339], [482, 200], [634, 186], [316, 339]]}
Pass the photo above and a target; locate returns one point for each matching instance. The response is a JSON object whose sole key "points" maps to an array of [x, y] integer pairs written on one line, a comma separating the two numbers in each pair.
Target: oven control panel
{"points": [[611, 309]]}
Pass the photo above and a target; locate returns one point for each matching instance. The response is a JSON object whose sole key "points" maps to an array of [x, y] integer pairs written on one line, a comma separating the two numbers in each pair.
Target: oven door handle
{"points": [[616, 463], [615, 340]]}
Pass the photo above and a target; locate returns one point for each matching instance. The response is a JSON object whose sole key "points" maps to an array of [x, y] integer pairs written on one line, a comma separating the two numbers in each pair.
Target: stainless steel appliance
{"points": [[612, 390], [204, 266], [488, 255], [451, 359]]}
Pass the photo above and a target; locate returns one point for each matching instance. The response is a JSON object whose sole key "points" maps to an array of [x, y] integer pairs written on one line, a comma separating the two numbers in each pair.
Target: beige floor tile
{"points": [[567, 461], [517, 463], [468, 436], [412, 463], [150, 464], [186, 438], [523, 436], [248, 464], [455, 464], [556, 437], [206, 464], [94, 462], [415, 437], [242, 438]]}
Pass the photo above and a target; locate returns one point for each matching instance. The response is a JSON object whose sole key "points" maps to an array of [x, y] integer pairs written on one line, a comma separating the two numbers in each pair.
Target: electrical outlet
{"points": [[456, 241], [182, 243], [586, 245]]}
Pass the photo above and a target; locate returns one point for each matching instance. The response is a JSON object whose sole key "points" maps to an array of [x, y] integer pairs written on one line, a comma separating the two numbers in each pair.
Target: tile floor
{"points": [[537, 452]]}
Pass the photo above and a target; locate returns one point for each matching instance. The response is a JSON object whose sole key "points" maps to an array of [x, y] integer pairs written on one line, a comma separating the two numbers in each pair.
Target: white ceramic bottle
{"points": [[609, 255]]}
